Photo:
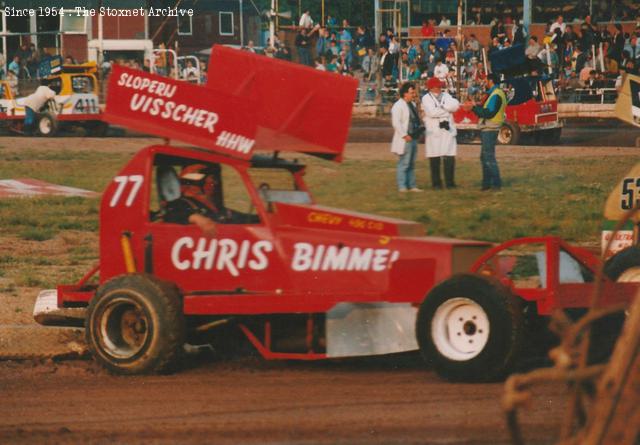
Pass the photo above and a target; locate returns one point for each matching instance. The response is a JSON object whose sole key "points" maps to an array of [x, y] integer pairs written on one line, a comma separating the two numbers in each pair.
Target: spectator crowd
{"points": [[582, 57]]}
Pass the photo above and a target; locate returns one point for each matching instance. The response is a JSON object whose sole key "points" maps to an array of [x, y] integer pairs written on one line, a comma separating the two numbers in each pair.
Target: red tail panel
{"points": [[297, 108]]}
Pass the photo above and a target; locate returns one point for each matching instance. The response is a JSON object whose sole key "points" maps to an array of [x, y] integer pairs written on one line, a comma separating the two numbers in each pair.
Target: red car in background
{"points": [[532, 109]]}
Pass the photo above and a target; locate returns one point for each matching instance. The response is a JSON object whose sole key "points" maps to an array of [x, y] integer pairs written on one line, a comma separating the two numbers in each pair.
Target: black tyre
{"points": [[509, 134], [624, 266], [470, 328], [135, 325], [47, 125]]}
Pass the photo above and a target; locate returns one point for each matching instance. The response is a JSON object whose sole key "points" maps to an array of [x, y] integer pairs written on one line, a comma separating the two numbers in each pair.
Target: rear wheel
{"points": [[509, 133], [470, 328], [47, 124], [135, 325]]}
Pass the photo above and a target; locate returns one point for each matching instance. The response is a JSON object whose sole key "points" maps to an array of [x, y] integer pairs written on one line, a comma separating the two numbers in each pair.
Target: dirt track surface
{"points": [[253, 402], [374, 150], [576, 132]]}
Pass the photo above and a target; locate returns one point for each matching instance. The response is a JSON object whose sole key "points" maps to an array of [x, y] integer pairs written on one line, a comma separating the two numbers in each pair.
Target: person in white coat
{"points": [[406, 132], [440, 140]]}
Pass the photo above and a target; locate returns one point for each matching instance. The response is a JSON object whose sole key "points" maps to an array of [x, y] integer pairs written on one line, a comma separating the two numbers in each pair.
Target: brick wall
{"points": [[75, 45], [119, 27]]}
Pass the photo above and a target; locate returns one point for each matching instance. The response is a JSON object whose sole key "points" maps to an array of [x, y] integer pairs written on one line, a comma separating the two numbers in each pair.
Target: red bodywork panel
{"points": [[60, 117], [298, 258], [79, 117], [297, 108]]}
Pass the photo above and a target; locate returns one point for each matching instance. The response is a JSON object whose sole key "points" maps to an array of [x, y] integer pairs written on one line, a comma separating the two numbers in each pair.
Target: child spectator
{"points": [[332, 66], [333, 48]]}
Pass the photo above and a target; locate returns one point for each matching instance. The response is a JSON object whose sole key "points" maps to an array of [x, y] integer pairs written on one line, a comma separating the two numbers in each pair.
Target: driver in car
{"points": [[196, 205]]}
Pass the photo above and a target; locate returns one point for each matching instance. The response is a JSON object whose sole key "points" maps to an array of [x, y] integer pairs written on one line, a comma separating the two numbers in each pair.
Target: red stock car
{"points": [[300, 280], [532, 109]]}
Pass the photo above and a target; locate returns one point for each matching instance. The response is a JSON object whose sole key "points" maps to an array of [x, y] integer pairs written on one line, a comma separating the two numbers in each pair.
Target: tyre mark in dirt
{"points": [[195, 416], [254, 402]]}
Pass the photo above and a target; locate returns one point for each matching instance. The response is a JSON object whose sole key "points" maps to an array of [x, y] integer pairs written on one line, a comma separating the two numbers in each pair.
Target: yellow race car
{"points": [[76, 103]]}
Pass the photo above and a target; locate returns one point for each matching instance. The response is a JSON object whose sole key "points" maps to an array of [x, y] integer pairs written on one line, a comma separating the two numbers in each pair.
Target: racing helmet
{"points": [[194, 174], [196, 179]]}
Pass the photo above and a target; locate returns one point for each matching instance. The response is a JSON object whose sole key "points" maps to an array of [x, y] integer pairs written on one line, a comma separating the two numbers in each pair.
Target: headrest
{"points": [[168, 183]]}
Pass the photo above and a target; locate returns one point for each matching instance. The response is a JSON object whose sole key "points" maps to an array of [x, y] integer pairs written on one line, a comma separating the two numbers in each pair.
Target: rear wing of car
{"points": [[297, 108], [250, 103], [173, 109]]}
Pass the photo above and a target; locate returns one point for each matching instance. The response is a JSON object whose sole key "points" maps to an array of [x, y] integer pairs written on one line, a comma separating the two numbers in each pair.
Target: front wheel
{"points": [[470, 328], [47, 125], [135, 325]]}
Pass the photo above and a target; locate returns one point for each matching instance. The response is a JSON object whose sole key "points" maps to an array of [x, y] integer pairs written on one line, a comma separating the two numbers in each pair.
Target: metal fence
{"points": [[374, 93]]}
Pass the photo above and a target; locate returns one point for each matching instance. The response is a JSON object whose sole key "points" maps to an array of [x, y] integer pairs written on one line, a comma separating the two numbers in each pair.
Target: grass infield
{"points": [[45, 241]]}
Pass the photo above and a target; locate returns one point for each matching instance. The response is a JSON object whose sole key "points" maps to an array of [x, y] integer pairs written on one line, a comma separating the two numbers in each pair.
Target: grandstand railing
{"points": [[588, 95]]}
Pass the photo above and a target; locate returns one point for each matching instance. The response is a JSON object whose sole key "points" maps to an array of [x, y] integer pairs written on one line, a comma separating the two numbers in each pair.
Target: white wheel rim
{"points": [[45, 126], [631, 275], [123, 330], [460, 329]]}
